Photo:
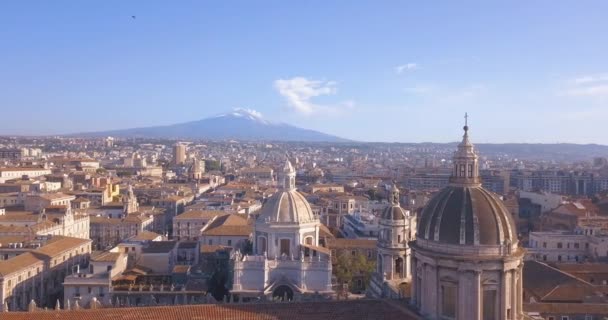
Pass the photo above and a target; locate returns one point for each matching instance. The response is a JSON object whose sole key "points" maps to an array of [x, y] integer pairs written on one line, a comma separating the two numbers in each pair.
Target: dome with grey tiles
{"points": [[464, 213]]}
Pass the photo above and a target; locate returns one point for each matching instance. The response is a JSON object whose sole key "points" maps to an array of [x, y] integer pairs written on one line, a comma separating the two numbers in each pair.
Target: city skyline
{"points": [[396, 72]]}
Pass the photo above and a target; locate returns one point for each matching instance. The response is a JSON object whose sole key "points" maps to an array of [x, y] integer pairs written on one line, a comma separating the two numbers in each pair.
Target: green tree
{"points": [[349, 266], [344, 268]]}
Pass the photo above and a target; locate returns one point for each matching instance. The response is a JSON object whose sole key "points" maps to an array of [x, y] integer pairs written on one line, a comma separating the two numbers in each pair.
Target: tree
{"points": [[344, 268], [349, 266]]}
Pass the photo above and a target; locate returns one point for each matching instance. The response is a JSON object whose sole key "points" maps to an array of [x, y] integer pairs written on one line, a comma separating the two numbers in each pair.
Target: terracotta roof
{"points": [[17, 263], [341, 243], [228, 225], [549, 284], [334, 310], [59, 244], [105, 256], [200, 214], [146, 235]]}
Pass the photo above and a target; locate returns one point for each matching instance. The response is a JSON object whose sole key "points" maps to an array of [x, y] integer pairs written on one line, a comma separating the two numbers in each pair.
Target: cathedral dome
{"points": [[468, 215], [464, 213], [286, 207], [394, 213]]}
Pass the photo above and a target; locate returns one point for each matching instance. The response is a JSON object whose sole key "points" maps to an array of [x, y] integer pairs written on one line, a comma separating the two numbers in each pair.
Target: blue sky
{"points": [[525, 71]]}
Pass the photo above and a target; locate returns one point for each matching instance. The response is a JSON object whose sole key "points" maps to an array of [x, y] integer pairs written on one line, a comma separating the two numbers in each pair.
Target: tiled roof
{"points": [[146, 235], [548, 284], [17, 263], [105, 256], [59, 244], [200, 214], [228, 225], [341, 243], [332, 310]]}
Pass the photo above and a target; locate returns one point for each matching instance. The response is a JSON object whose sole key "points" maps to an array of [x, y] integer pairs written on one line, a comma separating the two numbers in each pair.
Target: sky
{"points": [[393, 71]]}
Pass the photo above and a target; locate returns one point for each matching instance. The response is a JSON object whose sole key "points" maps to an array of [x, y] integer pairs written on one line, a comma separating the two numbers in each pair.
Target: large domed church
{"points": [[466, 262], [287, 261]]}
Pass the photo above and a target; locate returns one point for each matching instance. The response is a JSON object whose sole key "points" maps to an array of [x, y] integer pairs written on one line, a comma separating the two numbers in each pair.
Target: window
{"points": [[89, 290], [229, 242], [565, 318], [489, 304], [470, 171], [285, 244], [576, 246], [544, 244], [308, 241], [559, 245], [210, 242], [448, 301], [109, 268]]}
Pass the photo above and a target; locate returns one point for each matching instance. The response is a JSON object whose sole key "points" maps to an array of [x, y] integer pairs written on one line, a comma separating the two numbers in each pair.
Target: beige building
{"points": [[466, 259], [93, 284], [108, 232], [61, 223], [17, 173], [38, 275], [179, 153], [227, 230], [188, 225], [39, 202]]}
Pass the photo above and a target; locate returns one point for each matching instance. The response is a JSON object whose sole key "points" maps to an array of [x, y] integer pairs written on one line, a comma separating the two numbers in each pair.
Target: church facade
{"points": [[287, 262]]}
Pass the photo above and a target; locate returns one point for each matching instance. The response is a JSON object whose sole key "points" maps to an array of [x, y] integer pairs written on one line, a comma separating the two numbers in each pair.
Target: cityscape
{"points": [[453, 206]]}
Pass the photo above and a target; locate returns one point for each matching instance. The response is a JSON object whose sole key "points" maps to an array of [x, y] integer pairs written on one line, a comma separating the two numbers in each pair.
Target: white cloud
{"points": [[593, 85], [300, 91], [406, 67], [588, 91], [586, 79]]}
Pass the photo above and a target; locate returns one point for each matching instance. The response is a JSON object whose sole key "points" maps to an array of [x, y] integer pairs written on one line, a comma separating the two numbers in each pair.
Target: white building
{"points": [[466, 261], [88, 286], [568, 246], [287, 262]]}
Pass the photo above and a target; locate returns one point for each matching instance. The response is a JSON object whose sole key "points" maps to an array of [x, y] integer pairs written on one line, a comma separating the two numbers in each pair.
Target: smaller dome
{"points": [[394, 213], [286, 207]]}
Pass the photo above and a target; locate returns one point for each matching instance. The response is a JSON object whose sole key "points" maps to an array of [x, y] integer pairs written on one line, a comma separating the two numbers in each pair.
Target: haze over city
{"points": [[396, 71]]}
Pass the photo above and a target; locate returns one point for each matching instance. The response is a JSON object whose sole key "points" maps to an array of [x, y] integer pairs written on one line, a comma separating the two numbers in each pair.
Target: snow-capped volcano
{"points": [[244, 113], [238, 124]]}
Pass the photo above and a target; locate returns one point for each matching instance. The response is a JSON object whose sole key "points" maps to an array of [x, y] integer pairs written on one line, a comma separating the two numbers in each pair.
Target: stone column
{"points": [[477, 295], [408, 264], [422, 299], [520, 292], [504, 299], [514, 289], [414, 297]]}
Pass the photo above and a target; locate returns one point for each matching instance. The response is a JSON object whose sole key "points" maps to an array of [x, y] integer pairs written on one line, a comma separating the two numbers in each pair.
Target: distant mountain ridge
{"points": [[239, 124]]}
